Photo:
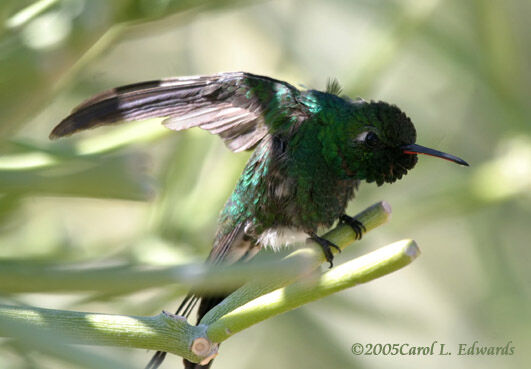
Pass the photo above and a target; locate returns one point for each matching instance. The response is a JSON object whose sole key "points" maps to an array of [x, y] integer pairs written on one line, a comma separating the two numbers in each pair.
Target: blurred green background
{"points": [[139, 195]]}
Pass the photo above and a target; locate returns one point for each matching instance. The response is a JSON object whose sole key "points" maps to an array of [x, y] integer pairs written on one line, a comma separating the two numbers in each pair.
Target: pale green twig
{"points": [[161, 332], [311, 255], [361, 270], [254, 302], [24, 277], [173, 334]]}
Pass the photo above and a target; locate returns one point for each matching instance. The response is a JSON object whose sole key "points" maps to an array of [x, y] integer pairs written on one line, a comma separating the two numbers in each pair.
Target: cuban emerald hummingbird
{"points": [[311, 151]]}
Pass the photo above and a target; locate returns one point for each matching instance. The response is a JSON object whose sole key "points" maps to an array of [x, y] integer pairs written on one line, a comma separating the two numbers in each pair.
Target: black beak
{"points": [[417, 149]]}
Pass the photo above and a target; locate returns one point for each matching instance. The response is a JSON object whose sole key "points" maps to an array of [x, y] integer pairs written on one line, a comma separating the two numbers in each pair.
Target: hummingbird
{"points": [[311, 150]]}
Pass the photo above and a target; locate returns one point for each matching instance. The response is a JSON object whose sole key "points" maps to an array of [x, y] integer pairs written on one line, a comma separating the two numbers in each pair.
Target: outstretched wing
{"points": [[239, 107]]}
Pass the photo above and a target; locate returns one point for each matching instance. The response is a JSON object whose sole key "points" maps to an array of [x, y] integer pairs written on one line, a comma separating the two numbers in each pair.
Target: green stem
{"points": [[57, 346], [24, 277], [252, 303], [361, 270], [161, 332], [311, 255]]}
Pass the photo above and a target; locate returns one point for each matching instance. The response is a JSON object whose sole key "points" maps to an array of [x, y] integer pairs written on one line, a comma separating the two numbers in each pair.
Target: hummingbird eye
{"points": [[371, 139]]}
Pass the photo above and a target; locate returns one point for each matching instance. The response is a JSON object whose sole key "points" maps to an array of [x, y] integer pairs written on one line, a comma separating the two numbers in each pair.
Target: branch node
{"points": [[204, 348]]}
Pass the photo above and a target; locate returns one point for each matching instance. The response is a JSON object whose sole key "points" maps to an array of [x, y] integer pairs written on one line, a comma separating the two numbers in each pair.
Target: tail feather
{"points": [[228, 248], [156, 360], [184, 309], [190, 365]]}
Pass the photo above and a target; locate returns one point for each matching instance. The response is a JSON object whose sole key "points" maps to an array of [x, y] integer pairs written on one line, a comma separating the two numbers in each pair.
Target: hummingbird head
{"points": [[381, 144]]}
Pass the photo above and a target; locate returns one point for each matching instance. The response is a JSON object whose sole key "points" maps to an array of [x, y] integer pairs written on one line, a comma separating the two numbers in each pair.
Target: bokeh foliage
{"points": [[139, 195]]}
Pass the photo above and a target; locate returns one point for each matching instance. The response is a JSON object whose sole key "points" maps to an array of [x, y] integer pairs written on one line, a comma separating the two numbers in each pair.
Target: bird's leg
{"points": [[356, 225], [326, 246]]}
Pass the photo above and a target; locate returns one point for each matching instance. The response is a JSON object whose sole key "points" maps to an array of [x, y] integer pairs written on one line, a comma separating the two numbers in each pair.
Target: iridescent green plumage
{"points": [[311, 150]]}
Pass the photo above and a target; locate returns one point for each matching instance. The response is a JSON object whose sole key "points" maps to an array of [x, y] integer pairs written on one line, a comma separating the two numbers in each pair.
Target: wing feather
{"points": [[241, 108]]}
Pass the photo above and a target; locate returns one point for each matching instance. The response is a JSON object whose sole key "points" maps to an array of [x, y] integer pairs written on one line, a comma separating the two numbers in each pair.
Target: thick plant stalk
{"points": [[27, 277], [360, 270], [24, 277], [161, 332], [311, 255], [254, 302]]}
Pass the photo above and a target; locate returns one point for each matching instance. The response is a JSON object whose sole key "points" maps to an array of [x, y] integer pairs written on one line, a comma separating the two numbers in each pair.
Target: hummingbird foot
{"points": [[356, 225], [326, 246]]}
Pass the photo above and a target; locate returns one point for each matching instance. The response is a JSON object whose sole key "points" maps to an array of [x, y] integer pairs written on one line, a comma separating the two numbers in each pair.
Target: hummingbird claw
{"points": [[355, 224], [326, 246]]}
